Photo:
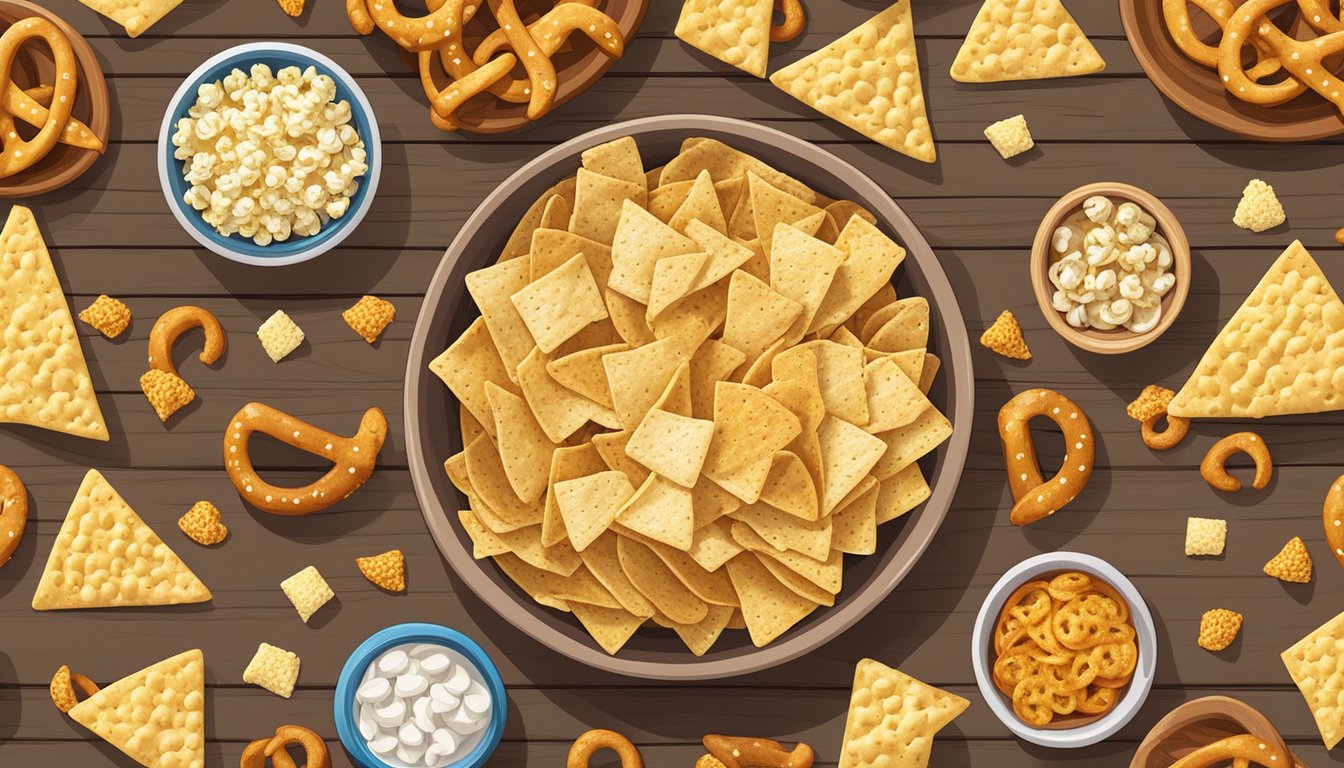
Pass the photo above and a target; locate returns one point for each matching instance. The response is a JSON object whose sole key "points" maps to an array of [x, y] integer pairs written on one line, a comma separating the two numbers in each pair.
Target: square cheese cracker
{"points": [[274, 669]]}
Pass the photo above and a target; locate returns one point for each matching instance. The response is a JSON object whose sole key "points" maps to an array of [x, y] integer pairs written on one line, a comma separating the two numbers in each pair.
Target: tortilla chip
{"points": [[467, 365], [674, 278], [601, 559], [908, 328], [871, 258], [612, 628], [588, 505], [484, 542], [638, 377], [701, 636], [640, 241], [628, 318], [524, 448], [599, 202], [492, 289], [785, 532], [672, 445], [789, 487], [655, 581], [489, 480], [771, 207], [769, 607], [908, 444], [901, 493], [802, 267], [559, 410], [749, 428], [578, 587], [854, 525], [701, 204], [893, 399], [757, 315], [848, 454], [567, 463], [826, 574], [611, 446], [710, 364], [618, 159], [662, 511], [929, 372], [726, 163]]}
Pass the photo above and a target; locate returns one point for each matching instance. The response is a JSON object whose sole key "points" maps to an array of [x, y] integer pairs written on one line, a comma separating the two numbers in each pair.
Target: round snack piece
{"points": [[1333, 516], [387, 571], [107, 315], [591, 742], [202, 524], [13, 512], [1034, 497], [795, 18], [1151, 407], [1218, 628], [1293, 563], [1249, 443], [63, 685], [1005, 337]]}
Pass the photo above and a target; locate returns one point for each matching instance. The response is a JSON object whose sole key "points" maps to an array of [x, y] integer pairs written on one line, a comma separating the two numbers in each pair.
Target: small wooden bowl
{"points": [[1204, 721], [1118, 341], [1197, 89], [34, 65]]}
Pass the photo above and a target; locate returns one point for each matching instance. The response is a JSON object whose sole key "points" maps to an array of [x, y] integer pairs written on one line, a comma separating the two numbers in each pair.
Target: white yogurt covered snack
{"points": [[422, 704], [1110, 267], [270, 155]]}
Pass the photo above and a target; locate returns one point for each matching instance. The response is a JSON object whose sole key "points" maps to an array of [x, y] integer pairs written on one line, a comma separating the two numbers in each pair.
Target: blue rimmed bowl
{"points": [[401, 634], [243, 249]]}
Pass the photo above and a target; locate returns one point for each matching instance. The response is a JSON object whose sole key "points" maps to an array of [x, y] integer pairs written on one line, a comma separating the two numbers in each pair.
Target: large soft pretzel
{"points": [[13, 512], [18, 154], [1036, 498], [352, 458], [1242, 750]]}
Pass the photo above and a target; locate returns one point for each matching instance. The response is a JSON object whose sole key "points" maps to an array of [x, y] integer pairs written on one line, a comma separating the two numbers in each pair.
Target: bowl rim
{"points": [[1145, 631], [402, 634], [918, 533], [227, 247], [1118, 341]]}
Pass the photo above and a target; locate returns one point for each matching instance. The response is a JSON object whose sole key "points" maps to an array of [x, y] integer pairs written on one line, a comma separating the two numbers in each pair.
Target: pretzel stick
{"points": [[20, 154]]}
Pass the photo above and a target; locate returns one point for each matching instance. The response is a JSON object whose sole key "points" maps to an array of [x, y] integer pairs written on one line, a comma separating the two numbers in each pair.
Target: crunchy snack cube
{"points": [[167, 392], [308, 591], [1010, 137], [1152, 401], [1218, 628], [1259, 208], [369, 317], [1005, 337], [293, 8], [1205, 536], [1293, 563], [274, 669], [107, 315], [279, 335], [202, 525], [387, 571]]}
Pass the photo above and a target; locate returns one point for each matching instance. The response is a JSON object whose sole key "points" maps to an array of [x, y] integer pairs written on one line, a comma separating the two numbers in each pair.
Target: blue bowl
{"points": [[400, 634], [237, 247]]}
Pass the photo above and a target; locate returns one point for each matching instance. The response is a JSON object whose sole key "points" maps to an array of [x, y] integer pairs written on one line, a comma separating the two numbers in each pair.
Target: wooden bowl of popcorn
{"points": [[1110, 267]]}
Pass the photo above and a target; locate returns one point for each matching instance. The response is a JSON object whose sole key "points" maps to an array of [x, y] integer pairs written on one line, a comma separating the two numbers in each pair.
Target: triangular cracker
{"points": [[894, 715], [156, 716], [1024, 40], [1317, 666], [735, 32]]}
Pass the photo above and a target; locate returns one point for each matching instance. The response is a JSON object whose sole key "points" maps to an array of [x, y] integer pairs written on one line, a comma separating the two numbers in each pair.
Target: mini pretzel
{"points": [[174, 323], [1034, 497], [352, 458], [1243, 750], [315, 754], [794, 21], [539, 67], [13, 512], [1249, 443], [744, 752], [1151, 407], [19, 154], [598, 739], [444, 103], [555, 26], [63, 685]]}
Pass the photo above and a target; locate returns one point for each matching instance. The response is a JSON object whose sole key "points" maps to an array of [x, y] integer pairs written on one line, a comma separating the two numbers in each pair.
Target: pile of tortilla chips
{"points": [[690, 393]]}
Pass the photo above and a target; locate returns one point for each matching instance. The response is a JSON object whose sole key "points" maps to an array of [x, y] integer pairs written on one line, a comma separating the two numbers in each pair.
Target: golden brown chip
{"points": [[107, 315], [386, 571], [1005, 337], [1218, 628]]}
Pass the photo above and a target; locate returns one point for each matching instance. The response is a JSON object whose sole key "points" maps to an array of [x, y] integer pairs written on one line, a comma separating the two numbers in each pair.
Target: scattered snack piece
{"points": [[107, 315], [1005, 337], [13, 512], [1149, 408], [308, 742], [33, 306], [170, 731], [735, 32], [1339, 236], [591, 742], [893, 718], [386, 571], [62, 690], [308, 591], [353, 458], [1259, 208], [1218, 628], [1293, 563], [1293, 300], [202, 524], [1152, 401], [795, 18], [1034, 497], [1316, 664], [279, 335], [292, 8], [748, 752], [1010, 137], [1205, 536], [869, 81], [105, 556], [369, 317], [1249, 443], [135, 15], [172, 324], [274, 669], [1024, 40], [167, 392]]}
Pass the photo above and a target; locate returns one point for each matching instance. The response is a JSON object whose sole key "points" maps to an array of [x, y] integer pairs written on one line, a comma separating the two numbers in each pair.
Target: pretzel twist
{"points": [[746, 752], [1177, 428], [1034, 497], [177, 321], [1302, 60], [18, 154], [591, 742], [1243, 750], [795, 18], [315, 754], [1177, 16], [1317, 14], [443, 104], [1249, 443], [28, 107], [13, 512], [352, 458]]}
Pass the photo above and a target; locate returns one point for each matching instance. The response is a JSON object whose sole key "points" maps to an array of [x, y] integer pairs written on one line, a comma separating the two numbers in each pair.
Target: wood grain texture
{"points": [[112, 232]]}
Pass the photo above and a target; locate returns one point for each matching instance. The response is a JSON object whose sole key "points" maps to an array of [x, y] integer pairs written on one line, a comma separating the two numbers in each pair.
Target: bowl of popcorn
{"points": [[1111, 268], [269, 154]]}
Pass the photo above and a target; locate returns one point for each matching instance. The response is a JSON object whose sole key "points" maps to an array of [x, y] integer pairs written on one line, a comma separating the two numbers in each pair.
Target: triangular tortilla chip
{"points": [[611, 446], [612, 628], [484, 542], [655, 580], [908, 327], [1016, 40], [628, 318], [771, 207], [498, 507], [770, 608], [723, 254], [840, 377], [672, 445], [640, 241], [927, 372], [638, 377], [553, 247], [598, 202], [700, 637], [789, 487], [105, 556], [749, 427], [758, 372], [786, 532], [802, 267], [848, 454], [871, 258], [908, 444], [578, 587], [46, 380], [156, 716], [701, 204], [900, 493], [560, 303], [560, 559], [558, 409], [893, 399], [568, 463], [842, 81], [712, 363], [854, 526], [588, 505], [726, 164], [555, 215], [602, 560], [826, 573], [1279, 354], [662, 511], [757, 315], [582, 372], [673, 278], [735, 32], [467, 365], [524, 447], [618, 159], [712, 546], [492, 289]]}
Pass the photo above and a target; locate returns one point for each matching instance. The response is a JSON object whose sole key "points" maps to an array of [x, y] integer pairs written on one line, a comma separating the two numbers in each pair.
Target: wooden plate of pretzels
{"points": [[496, 66], [1237, 81], [1214, 731], [54, 81]]}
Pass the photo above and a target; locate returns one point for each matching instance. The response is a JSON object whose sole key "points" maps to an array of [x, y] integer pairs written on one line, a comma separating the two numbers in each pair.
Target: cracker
{"points": [[769, 607], [1010, 136], [369, 317], [559, 304], [1024, 40], [1292, 564], [1205, 536], [893, 718], [736, 32], [202, 525], [1004, 337], [107, 315], [671, 445], [171, 731], [308, 591], [1246, 373], [39, 336], [274, 669], [279, 335], [1259, 208], [135, 15], [869, 80], [588, 505], [105, 556], [661, 511], [1218, 628], [1316, 664]]}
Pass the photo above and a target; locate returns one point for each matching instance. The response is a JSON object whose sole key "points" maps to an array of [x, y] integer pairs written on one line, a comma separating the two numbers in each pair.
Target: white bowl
{"points": [[1135, 693]]}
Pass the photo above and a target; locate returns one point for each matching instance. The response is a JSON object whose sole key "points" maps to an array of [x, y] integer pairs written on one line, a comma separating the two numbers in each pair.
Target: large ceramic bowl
{"points": [[433, 433], [243, 249]]}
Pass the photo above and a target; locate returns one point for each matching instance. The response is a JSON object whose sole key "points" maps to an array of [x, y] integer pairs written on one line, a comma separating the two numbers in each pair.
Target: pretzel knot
{"points": [[16, 153], [315, 754], [591, 742], [1036, 498], [1243, 750], [1249, 443]]}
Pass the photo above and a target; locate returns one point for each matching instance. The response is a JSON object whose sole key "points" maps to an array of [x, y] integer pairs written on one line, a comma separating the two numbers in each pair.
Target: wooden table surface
{"points": [[111, 232]]}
